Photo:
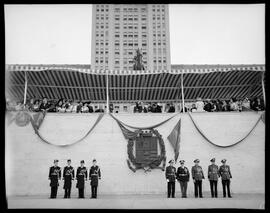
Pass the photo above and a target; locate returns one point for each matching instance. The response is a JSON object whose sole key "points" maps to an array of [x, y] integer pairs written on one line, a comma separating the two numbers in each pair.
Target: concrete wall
{"points": [[28, 158]]}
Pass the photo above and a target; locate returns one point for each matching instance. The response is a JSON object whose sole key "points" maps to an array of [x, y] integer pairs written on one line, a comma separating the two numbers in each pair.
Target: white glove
{"points": [[167, 180]]}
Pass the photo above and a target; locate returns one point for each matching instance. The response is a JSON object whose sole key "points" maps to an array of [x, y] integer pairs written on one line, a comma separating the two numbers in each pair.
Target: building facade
{"points": [[119, 29]]}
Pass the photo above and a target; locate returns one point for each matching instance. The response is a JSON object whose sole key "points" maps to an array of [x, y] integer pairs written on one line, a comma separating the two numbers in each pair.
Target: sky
{"points": [[199, 34]]}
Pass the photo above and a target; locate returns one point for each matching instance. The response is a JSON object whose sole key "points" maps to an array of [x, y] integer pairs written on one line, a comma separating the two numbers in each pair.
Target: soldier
{"points": [[54, 176], [68, 176], [225, 174], [197, 175], [170, 175], [182, 176], [213, 176], [94, 175], [81, 176]]}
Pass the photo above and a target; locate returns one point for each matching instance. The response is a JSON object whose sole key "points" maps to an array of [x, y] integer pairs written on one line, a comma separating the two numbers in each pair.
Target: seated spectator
{"points": [[154, 108], [149, 107], [159, 108], [199, 105], [172, 108], [167, 107], [246, 105], [214, 106], [74, 108], [257, 104], [208, 106], [30, 104], [138, 107], [111, 107], [36, 106], [234, 105], [44, 106], [69, 106], [19, 106], [225, 106], [146, 107], [218, 105], [193, 108], [62, 109], [59, 104], [52, 107], [85, 108], [185, 109], [79, 107]]}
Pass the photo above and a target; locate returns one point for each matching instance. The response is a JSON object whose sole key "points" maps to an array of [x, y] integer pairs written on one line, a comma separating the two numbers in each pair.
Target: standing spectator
{"points": [[199, 105]]}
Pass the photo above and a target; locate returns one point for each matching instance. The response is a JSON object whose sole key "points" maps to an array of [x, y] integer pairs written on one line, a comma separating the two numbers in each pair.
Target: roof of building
{"points": [[77, 82]]}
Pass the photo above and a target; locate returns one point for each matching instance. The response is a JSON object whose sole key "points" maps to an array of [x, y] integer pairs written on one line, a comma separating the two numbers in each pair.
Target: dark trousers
{"points": [[54, 191], [226, 183], [171, 189], [183, 186], [67, 193], [213, 187], [81, 193], [94, 191], [198, 187]]}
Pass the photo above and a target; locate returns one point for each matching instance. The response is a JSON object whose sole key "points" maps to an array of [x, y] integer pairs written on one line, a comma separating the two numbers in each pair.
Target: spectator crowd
{"points": [[70, 106]]}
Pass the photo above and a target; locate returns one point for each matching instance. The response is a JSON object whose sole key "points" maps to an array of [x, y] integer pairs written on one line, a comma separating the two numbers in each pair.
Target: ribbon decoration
{"points": [[65, 145], [207, 139]]}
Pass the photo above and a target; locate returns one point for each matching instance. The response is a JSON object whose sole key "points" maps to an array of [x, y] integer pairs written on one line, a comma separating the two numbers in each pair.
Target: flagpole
{"points": [[263, 89], [182, 91], [25, 88], [107, 92]]}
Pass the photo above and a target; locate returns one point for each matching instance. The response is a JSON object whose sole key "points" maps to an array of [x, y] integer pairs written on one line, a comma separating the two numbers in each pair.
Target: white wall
{"points": [[28, 158]]}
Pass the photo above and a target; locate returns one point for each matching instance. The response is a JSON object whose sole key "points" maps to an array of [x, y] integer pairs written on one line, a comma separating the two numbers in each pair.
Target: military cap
{"points": [[196, 161], [55, 161], [213, 160], [94, 160], [182, 161], [170, 160], [82, 161], [223, 160], [68, 160]]}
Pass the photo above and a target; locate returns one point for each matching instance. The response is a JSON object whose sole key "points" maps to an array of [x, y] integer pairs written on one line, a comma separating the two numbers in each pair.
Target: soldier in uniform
{"points": [[94, 176], [54, 176], [81, 176], [68, 176], [225, 173], [213, 176], [182, 176], [197, 175], [170, 175]]}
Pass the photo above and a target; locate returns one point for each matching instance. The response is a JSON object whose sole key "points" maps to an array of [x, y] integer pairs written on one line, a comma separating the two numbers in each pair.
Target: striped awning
{"points": [[82, 83]]}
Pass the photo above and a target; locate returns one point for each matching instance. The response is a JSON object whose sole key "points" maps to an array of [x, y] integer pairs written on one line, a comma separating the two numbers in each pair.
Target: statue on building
{"points": [[138, 65]]}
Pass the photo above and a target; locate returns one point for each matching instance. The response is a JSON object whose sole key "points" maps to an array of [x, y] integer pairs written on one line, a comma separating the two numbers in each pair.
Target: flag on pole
{"points": [[174, 138]]}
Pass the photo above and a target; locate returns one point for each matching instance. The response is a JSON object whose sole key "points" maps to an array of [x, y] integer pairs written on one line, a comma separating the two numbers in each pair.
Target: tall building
{"points": [[119, 29]]}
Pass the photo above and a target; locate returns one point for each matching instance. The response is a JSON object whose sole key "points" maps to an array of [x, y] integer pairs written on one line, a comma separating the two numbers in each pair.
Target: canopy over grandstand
{"points": [[80, 82]]}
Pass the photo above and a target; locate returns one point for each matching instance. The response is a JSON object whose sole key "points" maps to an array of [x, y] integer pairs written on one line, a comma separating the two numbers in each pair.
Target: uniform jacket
{"points": [[182, 174], [81, 175], [68, 176], [213, 173], [54, 175], [197, 173], [170, 173], [225, 172], [94, 175]]}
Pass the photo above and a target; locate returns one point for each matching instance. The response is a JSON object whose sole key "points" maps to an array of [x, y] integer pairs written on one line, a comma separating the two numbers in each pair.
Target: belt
{"points": [[94, 175]]}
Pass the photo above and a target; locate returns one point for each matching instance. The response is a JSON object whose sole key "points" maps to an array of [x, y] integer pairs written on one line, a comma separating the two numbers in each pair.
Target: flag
{"points": [[174, 139], [38, 118]]}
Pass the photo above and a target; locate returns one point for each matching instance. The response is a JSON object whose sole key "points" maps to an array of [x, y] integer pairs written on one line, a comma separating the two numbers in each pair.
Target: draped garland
{"points": [[207, 139], [66, 145]]}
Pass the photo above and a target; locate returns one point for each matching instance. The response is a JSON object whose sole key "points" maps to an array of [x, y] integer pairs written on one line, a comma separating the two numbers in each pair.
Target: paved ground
{"points": [[244, 201]]}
